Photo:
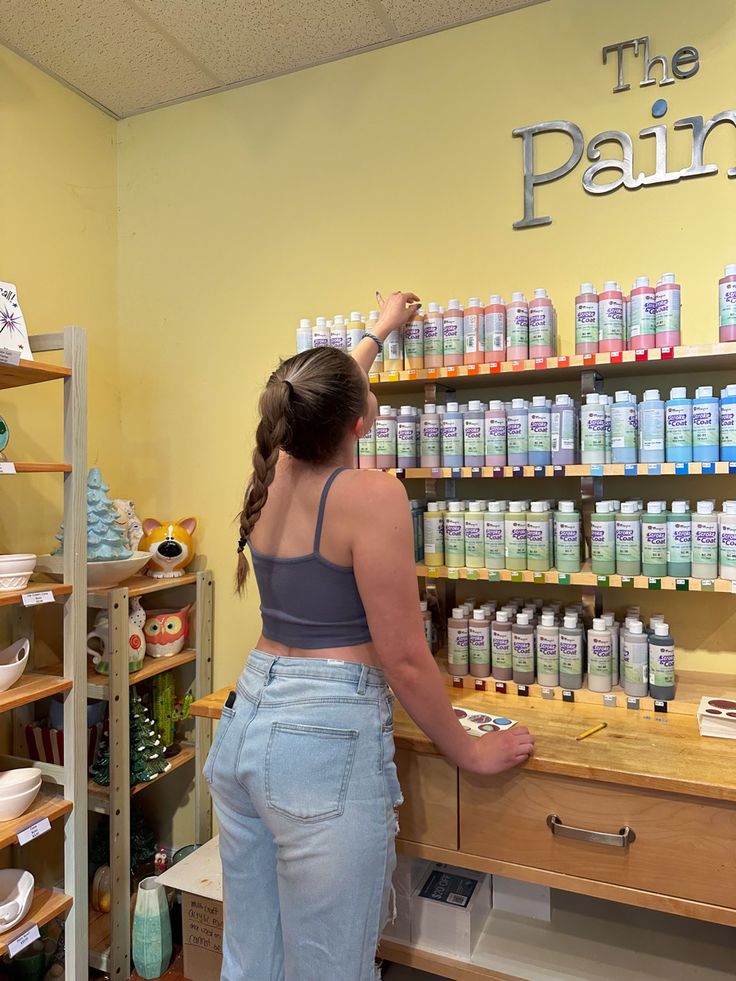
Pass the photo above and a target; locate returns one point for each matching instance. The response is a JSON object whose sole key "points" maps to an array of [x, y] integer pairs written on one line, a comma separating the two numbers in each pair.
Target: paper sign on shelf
{"points": [[7, 467], [9, 357], [35, 831], [38, 598], [13, 332], [24, 940]]}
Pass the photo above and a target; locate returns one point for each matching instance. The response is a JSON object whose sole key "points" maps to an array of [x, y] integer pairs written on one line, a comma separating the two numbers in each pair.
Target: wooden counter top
{"points": [[663, 752]]}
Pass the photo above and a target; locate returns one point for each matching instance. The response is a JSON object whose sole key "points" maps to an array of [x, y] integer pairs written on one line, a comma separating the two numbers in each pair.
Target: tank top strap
{"points": [[322, 501]]}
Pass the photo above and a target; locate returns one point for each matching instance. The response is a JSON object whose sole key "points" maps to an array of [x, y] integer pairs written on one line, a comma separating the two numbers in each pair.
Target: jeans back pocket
{"points": [[228, 714], [308, 770]]}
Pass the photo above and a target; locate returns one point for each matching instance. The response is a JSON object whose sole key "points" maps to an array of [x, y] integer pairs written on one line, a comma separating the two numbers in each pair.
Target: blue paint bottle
{"points": [[679, 427], [706, 426], [651, 428]]}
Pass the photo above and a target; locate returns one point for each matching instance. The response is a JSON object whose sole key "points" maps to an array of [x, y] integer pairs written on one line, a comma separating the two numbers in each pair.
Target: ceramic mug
{"points": [[166, 631], [101, 658]]}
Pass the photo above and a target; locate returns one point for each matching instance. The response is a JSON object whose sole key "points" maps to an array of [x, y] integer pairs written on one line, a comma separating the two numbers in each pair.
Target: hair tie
{"points": [[289, 386], [242, 542]]}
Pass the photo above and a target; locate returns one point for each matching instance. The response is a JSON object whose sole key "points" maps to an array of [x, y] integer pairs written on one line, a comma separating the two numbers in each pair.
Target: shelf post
{"points": [[591, 490], [203, 686]]}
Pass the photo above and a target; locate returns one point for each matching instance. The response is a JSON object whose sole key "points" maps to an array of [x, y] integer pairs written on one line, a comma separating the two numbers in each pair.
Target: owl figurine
{"points": [[166, 632]]}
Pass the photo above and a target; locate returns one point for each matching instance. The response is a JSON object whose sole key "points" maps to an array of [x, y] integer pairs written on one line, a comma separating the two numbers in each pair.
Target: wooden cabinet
{"points": [[428, 815]]}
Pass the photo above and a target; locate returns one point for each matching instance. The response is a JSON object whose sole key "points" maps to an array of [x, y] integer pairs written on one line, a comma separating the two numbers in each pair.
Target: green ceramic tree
{"points": [[106, 539]]}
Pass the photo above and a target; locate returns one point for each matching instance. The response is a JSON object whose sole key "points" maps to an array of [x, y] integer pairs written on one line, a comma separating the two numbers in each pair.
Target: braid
{"points": [[272, 432]]}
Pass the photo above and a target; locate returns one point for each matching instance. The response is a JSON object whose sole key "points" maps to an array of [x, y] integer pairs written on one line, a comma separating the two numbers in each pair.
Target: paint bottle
{"points": [[367, 449], [473, 335], [517, 328], [623, 428], [385, 427], [611, 318], [501, 656], [429, 437], [515, 536], [479, 642], [304, 336], [727, 304], [548, 652], [452, 334], [562, 431], [567, 537], [406, 437], [679, 540], [379, 362], [705, 541], [426, 623], [517, 433], [651, 428], [393, 351], [434, 535], [636, 660], [474, 535], [603, 539], [338, 333], [727, 541], [540, 436], [541, 325], [354, 331], [668, 311], [654, 540], [522, 649], [538, 541], [628, 539], [433, 342], [320, 333], [494, 324], [474, 441], [571, 653], [414, 342], [452, 436], [455, 535], [593, 430], [607, 402], [586, 320], [600, 657], [728, 422], [458, 644], [642, 315], [494, 535], [495, 434], [613, 627], [679, 426], [706, 425], [662, 664]]}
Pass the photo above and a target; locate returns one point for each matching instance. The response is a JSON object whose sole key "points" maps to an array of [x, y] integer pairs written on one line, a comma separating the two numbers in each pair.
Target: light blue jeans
{"points": [[304, 783]]}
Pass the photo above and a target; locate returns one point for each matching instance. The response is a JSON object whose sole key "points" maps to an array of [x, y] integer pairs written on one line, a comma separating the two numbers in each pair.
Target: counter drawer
{"points": [[429, 812], [682, 846]]}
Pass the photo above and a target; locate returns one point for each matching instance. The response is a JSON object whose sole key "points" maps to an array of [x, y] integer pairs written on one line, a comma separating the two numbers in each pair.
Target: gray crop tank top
{"points": [[308, 601]]}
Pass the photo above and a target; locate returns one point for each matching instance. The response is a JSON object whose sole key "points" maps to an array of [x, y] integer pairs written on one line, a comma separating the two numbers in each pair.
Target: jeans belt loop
{"points": [[363, 681]]}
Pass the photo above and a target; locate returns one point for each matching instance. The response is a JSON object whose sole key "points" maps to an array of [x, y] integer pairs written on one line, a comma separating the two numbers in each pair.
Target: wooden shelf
{"points": [[30, 687], [47, 904], [569, 470], [30, 373], [98, 684], [210, 706], [42, 467], [143, 585], [46, 805], [101, 795], [583, 578], [13, 597], [99, 937]]}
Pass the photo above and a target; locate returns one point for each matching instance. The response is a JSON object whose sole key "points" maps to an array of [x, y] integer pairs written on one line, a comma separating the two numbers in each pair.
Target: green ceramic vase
{"points": [[151, 930]]}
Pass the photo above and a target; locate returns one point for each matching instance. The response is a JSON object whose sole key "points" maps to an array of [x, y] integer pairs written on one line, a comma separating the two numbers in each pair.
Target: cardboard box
{"points": [[450, 909], [199, 878], [409, 874]]}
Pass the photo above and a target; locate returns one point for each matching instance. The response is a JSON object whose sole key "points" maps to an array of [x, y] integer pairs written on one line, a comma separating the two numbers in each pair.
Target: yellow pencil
{"points": [[589, 732]]}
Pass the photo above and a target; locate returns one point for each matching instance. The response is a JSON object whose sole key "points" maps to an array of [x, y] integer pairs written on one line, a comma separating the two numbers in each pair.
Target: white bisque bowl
{"points": [[12, 807], [13, 662], [16, 895], [100, 575], [14, 782], [15, 571]]}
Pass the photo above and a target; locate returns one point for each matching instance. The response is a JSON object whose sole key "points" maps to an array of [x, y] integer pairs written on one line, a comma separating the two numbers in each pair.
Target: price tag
{"points": [[641, 355], [563, 362], [654, 470], [707, 585], [431, 372], [567, 695], [682, 585], [540, 363], [500, 687], [480, 684], [602, 580], [558, 471], [498, 471], [9, 357], [7, 467], [516, 577], [374, 377], [627, 581], [564, 579], [453, 573], [471, 574], [589, 359], [494, 367], [653, 583], [660, 706], [494, 575], [617, 357], [681, 469], [38, 598], [411, 374], [24, 940], [539, 471], [456, 472], [548, 693], [400, 473], [709, 468], [35, 831], [666, 352], [436, 472], [539, 578], [473, 370], [609, 701], [392, 376], [475, 471], [630, 470], [457, 682], [732, 467], [433, 572], [596, 470], [517, 472], [517, 365], [522, 690], [733, 585], [451, 370], [632, 703]]}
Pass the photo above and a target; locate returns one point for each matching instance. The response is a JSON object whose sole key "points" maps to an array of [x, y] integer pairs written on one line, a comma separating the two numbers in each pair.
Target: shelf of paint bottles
{"points": [[571, 470]]}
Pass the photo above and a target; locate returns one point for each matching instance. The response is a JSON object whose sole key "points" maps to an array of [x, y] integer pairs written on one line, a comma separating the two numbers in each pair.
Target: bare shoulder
{"points": [[372, 488]]}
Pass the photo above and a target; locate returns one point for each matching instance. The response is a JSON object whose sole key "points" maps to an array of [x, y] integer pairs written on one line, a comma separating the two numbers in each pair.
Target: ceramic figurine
{"points": [[151, 930], [131, 523], [136, 613], [4, 438], [101, 633], [170, 546], [166, 631]]}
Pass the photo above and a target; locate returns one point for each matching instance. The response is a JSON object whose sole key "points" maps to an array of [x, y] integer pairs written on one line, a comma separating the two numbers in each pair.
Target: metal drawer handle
{"points": [[625, 836]]}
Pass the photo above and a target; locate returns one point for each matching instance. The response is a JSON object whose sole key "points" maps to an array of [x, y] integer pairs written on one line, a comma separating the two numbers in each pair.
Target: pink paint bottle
{"points": [[452, 334], [517, 328], [541, 325], [586, 320], [642, 315], [473, 331], [611, 318], [495, 329], [726, 304], [433, 349], [668, 311]]}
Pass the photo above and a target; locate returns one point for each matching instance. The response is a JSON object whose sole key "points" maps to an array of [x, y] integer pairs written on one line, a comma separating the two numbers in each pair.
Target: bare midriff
{"points": [[359, 654]]}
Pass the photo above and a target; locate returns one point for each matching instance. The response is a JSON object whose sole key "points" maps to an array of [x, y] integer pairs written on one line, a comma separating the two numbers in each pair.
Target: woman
{"points": [[301, 770]]}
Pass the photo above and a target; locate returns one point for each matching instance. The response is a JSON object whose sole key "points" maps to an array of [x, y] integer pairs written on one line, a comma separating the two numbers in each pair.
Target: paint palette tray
{"points": [[717, 717], [480, 723]]}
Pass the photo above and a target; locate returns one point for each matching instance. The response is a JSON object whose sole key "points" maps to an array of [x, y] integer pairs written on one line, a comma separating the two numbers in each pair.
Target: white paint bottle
{"points": [[494, 537], [407, 431], [303, 336], [427, 623], [571, 653], [354, 332], [613, 626], [593, 430], [474, 530], [385, 427], [429, 437], [379, 361], [705, 541], [600, 656], [320, 333], [479, 643], [455, 535], [727, 541], [636, 660], [338, 333], [548, 652]]}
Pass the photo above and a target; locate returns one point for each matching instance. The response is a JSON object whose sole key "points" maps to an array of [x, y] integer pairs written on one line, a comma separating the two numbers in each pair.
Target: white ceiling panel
{"points": [[423, 16]]}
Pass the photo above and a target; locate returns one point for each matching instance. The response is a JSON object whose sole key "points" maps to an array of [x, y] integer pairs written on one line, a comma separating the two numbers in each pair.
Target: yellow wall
{"points": [[58, 245], [241, 212]]}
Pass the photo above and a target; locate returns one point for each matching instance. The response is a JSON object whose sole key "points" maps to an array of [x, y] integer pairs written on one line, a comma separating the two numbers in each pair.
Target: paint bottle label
{"points": [[493, 536], [515, 544], [392, 346], [454, 541], [452, 335], [474, 545], [668, 311], [654, 543], [539, 432], [600, 652], [518, 327], [611, 319], [662, 665], [522, 652], [636, 663], [413, 340], [586, 323], [679, 541], [602, 543], [434, 532], [679, 420], [495, 331], [548, 654], [433, 342], [516, 434], [623, 427], [571, 659], [537, 541], [501, 648], [652, 429], [458, 644], [479, 643], [406, 439], [385, 437], [562, 427], [367, 443], [705, 542], [628, 541], [353, 338], [594, 431], [430, 437], [728, 424], [452, 437], [727, 543], [474, 437], [727, 304], [472, 333], [567, 540], [642, 315], [705, 425], [540, 327], [495, 436]]}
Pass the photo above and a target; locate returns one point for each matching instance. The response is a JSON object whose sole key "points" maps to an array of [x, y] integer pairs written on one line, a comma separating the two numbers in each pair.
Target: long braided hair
{"points": [[308, 404]]}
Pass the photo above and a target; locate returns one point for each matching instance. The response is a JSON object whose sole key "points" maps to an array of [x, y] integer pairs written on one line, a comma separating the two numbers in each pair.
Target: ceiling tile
{"points": [[243, 39], [416, 16], [104, 49]]}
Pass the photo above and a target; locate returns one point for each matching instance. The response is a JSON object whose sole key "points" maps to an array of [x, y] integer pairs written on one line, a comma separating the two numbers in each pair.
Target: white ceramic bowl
{"points": [[100, 575], [13, 807], [13, 662], [15, 571], [16, 895], [14, 782]]}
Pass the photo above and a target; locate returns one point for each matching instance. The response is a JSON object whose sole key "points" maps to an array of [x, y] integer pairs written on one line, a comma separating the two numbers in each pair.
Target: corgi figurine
{"points": [[170, 546]]}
